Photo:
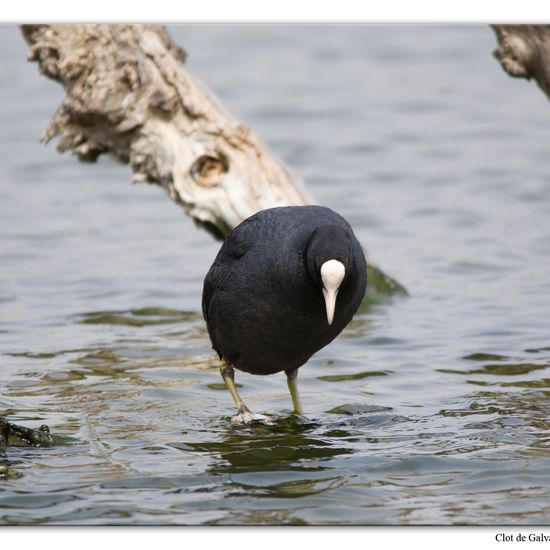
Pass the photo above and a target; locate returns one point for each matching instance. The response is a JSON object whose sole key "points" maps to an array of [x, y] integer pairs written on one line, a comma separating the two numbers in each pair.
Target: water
{"points": [[428, 410]]}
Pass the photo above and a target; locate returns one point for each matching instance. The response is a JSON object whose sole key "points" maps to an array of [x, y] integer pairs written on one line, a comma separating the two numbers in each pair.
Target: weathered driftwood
{"points": [[129, 95], [524, 52]]}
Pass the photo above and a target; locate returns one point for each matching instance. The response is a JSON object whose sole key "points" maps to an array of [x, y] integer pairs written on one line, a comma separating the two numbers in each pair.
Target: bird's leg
{"points": [[291, 378], [244, 414]]}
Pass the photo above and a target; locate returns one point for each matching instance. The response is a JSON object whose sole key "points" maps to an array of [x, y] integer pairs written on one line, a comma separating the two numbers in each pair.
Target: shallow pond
{"points": [[433, 409]]}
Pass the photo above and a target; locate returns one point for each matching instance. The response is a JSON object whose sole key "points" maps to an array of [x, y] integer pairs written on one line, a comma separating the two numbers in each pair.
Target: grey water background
{"points": [[432, 409]]}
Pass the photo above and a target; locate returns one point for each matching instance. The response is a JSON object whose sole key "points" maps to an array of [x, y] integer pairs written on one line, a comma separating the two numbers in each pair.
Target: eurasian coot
{"points": [[284, 284]]}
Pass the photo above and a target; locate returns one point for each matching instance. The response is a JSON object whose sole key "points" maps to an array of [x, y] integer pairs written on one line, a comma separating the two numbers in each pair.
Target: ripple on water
{"points": [[138, 317]]}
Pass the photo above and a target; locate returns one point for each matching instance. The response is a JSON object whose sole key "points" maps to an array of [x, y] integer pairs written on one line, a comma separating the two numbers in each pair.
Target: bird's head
{"points": [[328, 258]]}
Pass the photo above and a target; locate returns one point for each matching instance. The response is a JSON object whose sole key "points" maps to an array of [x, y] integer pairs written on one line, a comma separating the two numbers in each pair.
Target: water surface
{"points": [[428, 410]]}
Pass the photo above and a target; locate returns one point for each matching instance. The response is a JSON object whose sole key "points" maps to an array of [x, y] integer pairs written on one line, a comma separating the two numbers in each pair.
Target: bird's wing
{"points": [[234, 248], [207, 291], [240, 241]]}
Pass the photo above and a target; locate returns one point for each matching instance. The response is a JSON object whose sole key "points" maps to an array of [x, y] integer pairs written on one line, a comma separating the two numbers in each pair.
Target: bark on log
{"points": [[524, 52], [129, 95]]}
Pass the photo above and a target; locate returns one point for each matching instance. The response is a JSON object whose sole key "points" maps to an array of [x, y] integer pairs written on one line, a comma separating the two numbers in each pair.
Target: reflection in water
{"points": [[283, 444]]}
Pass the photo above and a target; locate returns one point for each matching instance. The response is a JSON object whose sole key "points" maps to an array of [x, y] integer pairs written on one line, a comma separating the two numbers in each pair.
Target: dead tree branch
{"points": [[129, 95]]}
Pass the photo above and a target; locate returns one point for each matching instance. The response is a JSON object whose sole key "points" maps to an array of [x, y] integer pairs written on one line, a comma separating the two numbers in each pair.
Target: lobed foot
{"points": [[245, 415]]}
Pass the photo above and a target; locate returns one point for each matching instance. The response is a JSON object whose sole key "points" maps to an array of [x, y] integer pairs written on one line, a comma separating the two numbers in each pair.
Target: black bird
{"points": [[284, 284]]}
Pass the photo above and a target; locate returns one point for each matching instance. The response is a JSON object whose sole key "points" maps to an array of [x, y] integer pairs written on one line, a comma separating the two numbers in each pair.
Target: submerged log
{"points": [[19, 436], [129, 95], [524, 52]]}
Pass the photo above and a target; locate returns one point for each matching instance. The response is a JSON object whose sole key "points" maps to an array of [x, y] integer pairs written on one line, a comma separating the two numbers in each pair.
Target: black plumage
{"points": [[263, 296]]}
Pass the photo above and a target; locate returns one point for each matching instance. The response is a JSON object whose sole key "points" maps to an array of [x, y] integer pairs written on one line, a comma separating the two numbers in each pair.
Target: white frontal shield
{"points": [[332, 275]]}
